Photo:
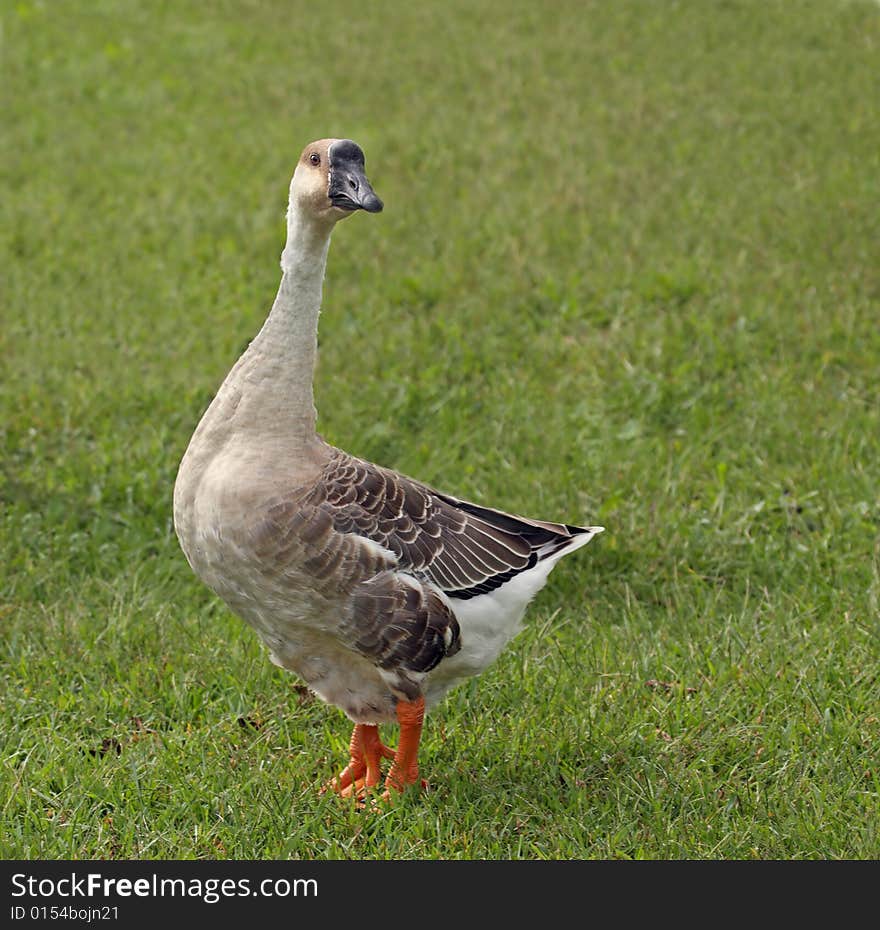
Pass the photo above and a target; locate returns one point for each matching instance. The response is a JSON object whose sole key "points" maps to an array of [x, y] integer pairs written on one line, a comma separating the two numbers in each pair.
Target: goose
{"points": [[380, 592]]}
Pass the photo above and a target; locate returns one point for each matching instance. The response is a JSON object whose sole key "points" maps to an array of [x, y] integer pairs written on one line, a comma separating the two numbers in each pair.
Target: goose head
{"points": [[329, 182]]}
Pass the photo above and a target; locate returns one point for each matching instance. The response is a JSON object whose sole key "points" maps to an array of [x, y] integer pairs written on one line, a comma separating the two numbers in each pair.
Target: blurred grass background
{"points": [[628, 273]]}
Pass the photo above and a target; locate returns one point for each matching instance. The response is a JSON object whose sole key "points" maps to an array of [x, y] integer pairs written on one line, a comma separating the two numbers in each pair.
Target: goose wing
{"points": [[385, 545], [461, 548]]}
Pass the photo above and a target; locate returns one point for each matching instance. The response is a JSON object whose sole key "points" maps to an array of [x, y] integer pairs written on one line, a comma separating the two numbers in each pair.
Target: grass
{"points": [[628, 273]]}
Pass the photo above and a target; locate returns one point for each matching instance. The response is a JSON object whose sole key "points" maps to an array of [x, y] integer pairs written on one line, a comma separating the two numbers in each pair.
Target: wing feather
{"points": [[454, 544]]}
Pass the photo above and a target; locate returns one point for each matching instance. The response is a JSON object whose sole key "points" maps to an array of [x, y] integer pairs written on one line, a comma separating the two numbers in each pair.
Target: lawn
{"points": [[628, 273]]}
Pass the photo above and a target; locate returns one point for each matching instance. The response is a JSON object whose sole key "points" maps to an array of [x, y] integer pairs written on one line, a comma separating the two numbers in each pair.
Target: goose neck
{"points": [[305, 252], [283, 353]]}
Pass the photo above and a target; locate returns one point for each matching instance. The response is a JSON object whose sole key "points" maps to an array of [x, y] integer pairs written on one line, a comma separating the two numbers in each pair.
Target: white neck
{"points": [[275, 374]]}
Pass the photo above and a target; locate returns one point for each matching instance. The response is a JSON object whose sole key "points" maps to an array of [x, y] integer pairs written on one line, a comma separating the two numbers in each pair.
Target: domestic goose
{"points": [[379, 592]]}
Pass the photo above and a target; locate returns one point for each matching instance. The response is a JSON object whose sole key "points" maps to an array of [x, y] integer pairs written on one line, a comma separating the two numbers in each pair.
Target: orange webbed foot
{"points": [[405, 768], [363, 771]]}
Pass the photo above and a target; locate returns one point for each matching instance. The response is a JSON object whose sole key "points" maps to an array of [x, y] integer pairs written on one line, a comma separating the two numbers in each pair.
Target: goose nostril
{"points": [[353, 184]]}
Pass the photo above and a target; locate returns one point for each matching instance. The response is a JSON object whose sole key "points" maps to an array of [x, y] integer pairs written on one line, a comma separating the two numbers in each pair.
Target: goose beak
{"points": [[349, 188], [372, 204], [366, 196]]}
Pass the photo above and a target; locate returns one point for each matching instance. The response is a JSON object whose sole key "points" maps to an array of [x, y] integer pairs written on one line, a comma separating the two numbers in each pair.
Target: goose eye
{"points": [[315, 158]]}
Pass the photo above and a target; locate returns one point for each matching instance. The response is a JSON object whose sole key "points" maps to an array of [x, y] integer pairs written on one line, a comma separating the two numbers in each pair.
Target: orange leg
{"points": [[405, 768], [366, 751]]}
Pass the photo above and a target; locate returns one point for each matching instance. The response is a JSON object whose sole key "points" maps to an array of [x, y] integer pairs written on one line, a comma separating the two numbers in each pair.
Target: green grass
{"points": [[628, 273]]}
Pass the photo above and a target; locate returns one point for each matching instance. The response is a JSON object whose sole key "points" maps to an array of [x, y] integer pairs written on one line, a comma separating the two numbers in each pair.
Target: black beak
{"points": [[349, 188]]}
